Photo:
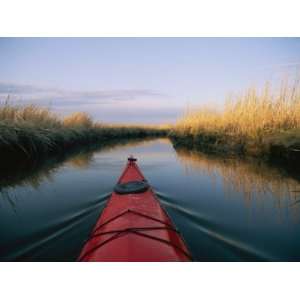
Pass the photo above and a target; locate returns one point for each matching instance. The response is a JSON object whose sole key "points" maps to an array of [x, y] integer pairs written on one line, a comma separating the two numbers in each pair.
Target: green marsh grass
{"points": [[31, 132]]}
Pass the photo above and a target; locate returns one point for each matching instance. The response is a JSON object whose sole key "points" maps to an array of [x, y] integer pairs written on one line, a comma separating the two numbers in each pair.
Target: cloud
{"points": [[289, 65], [116, 105], [29, 93], [126, 112], [18, 88]]}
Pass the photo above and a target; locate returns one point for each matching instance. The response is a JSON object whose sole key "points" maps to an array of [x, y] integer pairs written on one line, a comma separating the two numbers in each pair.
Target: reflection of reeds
{"points": [[81, 160], [250, 122], [256, 181], [33, 175]]}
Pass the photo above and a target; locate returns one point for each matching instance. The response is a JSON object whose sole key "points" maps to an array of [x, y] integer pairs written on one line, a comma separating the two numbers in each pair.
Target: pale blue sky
{"points": [[147, 80]]}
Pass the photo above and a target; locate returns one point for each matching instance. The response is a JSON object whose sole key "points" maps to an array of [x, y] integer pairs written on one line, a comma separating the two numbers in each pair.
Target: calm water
{"points": [[226, 209]]}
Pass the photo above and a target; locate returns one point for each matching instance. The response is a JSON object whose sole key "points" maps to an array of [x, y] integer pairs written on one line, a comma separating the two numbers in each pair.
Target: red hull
{"points": [[134, 227]]}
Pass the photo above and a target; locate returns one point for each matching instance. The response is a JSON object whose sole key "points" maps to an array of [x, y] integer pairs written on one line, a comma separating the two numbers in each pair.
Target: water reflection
{"points": [[227, 209], [81, 161], [35, 173], [257, 181]]}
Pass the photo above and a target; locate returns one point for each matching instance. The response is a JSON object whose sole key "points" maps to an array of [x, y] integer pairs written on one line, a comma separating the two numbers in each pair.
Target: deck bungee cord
{"points": [[133, 226]]}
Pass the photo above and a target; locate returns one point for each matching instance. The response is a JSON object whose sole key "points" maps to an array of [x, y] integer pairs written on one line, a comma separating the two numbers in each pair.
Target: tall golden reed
{"points": [[252, 115]]}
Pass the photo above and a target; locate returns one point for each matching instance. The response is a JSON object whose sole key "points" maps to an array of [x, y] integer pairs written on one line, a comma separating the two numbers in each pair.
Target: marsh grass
{"points": [[250, 122], [78, 119], [31, 132]]}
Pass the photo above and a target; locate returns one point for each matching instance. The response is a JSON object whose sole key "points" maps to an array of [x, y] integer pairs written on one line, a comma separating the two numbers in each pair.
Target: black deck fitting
{"points": [[131, 158]]}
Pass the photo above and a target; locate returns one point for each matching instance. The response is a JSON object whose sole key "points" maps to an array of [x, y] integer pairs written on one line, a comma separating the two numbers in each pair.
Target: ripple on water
{"points": [[226, 209]]}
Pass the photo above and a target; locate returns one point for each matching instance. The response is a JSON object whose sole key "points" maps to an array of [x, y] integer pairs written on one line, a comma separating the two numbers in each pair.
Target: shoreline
{"points": [[31, 133], [282, 149], [29, 145]]}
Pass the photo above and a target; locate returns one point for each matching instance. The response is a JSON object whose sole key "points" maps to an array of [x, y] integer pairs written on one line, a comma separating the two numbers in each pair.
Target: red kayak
{"points": [[133, 226]]}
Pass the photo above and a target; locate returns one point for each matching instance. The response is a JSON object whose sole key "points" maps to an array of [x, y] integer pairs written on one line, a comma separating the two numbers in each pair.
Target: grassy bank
{"points": [[31, 132], [262, 123]]}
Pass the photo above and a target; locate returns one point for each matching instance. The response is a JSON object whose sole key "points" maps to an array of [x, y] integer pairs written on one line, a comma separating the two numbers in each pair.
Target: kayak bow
{"points": [[133, 226]]}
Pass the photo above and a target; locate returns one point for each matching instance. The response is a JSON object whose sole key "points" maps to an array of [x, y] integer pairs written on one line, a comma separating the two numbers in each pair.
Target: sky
{"points": [[139, 80]]}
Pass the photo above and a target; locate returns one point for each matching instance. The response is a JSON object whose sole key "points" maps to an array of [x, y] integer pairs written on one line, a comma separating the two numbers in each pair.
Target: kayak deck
{"points": [[134, 227]]}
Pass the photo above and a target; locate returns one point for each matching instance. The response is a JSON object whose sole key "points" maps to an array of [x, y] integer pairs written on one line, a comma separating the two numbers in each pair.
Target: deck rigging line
{"points": [[135, 230]]}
